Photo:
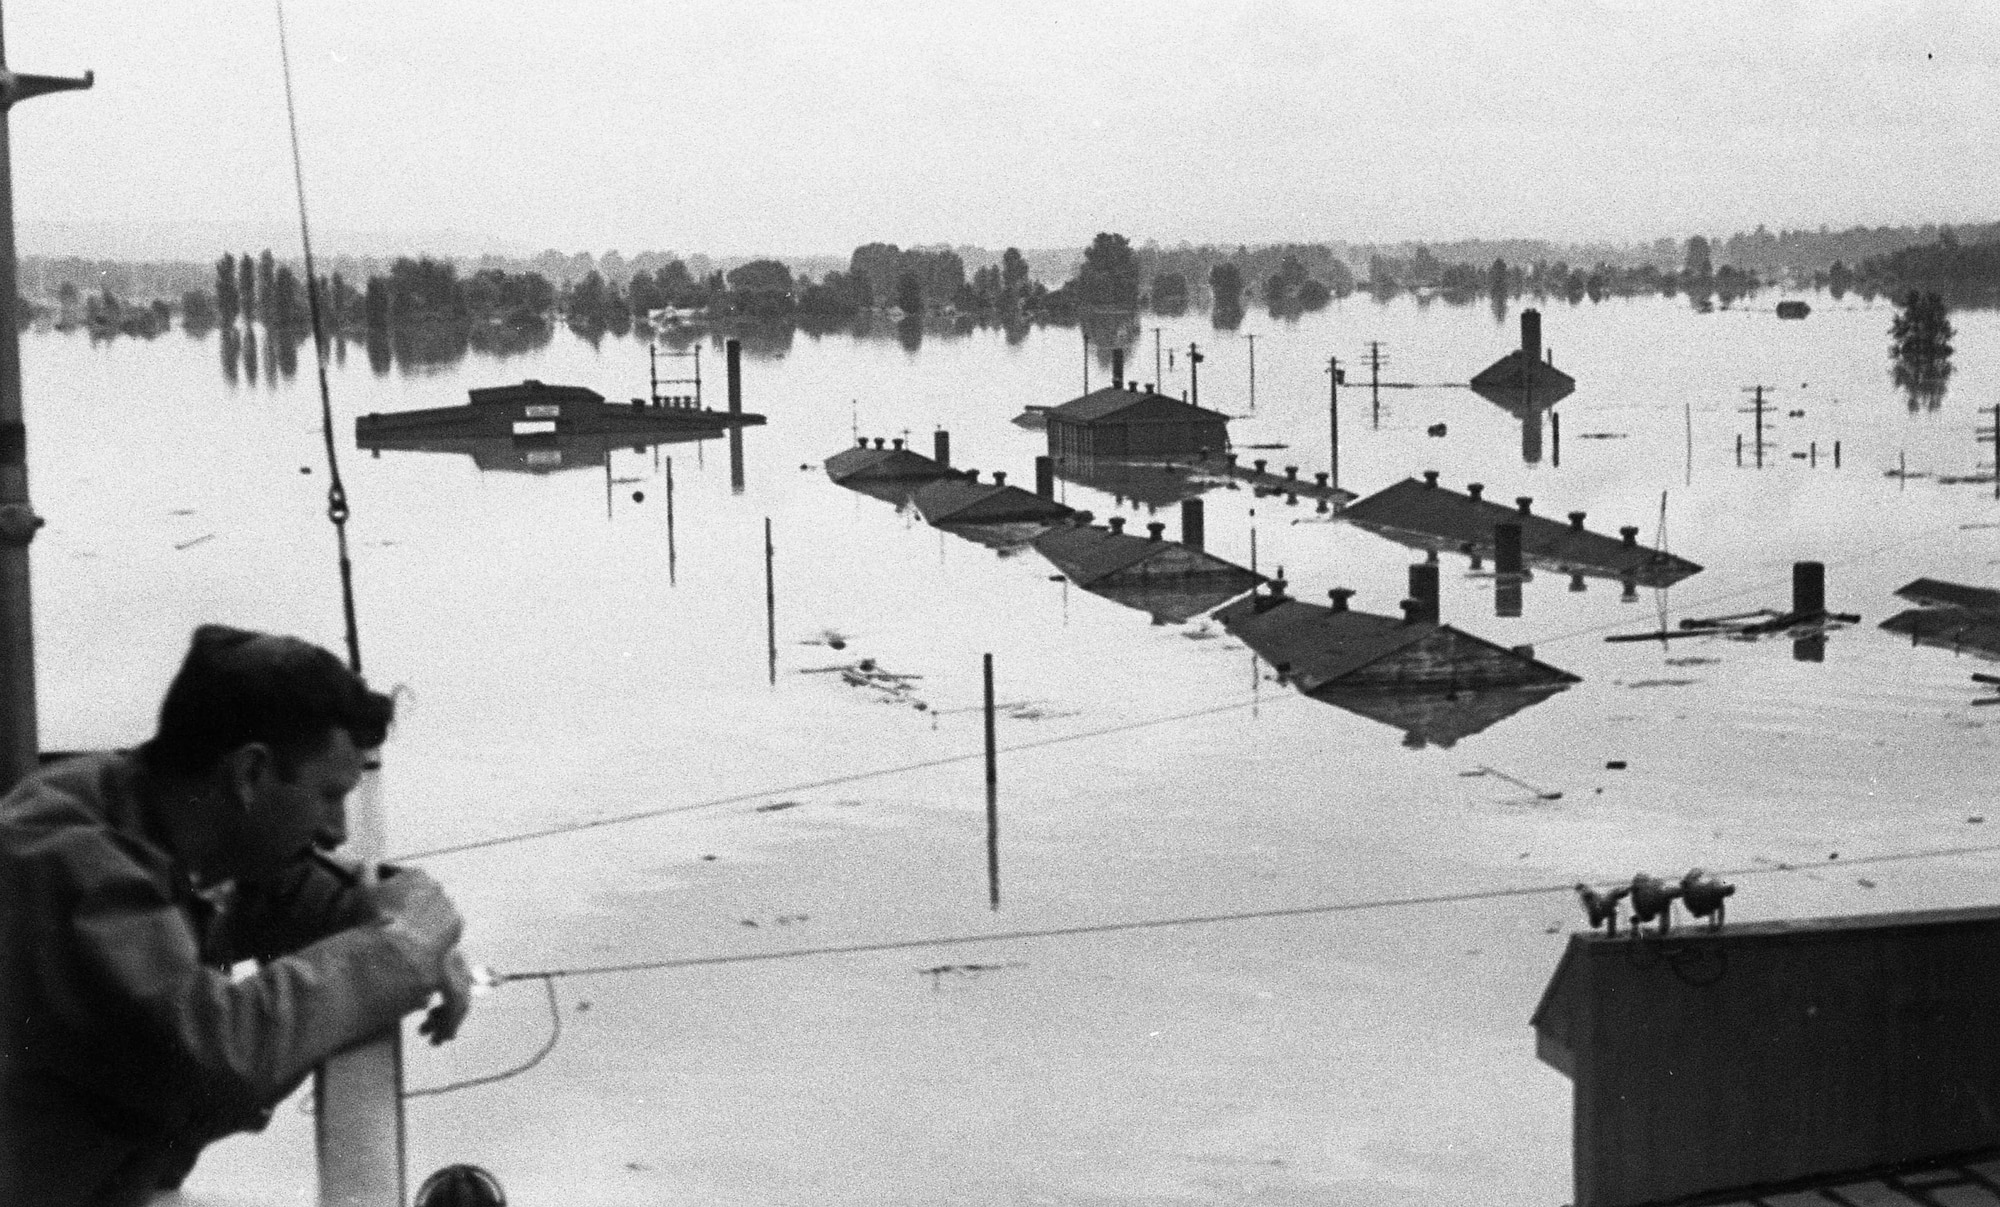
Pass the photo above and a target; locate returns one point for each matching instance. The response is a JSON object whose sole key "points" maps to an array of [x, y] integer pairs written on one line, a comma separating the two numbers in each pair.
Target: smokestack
{"points": [[1809, 588], [1630, 534], [1045, 477], [1525, 503], [999, 477], [1531, 335], [1576, 520], [941, 447], [1118, 368], [1506, 548], [1117, 523], [1424, 591], [1340, 596], [1473, 489], [1430, 478], [734, 354], [1155, 530], [1192, 533]]}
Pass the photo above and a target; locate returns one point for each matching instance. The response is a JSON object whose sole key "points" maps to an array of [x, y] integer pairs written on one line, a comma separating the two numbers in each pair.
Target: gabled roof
{"points": [[1936, 592], [1319, 646], [883, 464], [1166, 578], [1314, 644], [961, 501], [1453, 520], [1111, 400], [1515, 371], [532, 391]]}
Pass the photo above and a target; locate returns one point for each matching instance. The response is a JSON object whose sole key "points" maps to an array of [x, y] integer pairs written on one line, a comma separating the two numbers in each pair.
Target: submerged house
{"points": [[1425, 515], [1953, 616], [1526, 378], [1171, 580], [1122, 422], [1435, 682], [534, 408], [963, 499], [888, 472]]}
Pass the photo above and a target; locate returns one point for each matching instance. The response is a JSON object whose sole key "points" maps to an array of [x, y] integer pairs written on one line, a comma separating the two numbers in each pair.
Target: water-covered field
{"points": [[560, 667]]}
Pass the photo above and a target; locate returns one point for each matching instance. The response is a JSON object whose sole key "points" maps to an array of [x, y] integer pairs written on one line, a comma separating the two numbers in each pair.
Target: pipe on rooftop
{"points": [[1525, 503]]}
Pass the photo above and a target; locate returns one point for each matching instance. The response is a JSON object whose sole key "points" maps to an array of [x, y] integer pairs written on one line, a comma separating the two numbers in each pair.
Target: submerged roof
{"points": [[1171, 581], [1447, 519], [1151, 407], [532, 391], [1320, 646], [962, 501], [883, 464]]}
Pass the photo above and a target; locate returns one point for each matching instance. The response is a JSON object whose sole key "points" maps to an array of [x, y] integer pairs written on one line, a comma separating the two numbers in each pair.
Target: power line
{"points": [[1101, 928], [813, 785]]}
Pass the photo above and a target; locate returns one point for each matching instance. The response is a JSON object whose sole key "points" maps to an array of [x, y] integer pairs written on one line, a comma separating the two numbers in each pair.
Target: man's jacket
{"points": [[125, 1044]]}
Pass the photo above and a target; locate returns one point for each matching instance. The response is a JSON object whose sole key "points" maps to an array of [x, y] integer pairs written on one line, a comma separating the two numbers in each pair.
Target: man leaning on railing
{"points": [[131, 882]]}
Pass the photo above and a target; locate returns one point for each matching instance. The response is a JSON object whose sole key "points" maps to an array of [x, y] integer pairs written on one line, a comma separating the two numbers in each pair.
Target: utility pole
{"points": [[1334, 375], [1253, 369], [1194, 375], [1159, 378], [1757, 408], [20, 743], [1375, 362]]}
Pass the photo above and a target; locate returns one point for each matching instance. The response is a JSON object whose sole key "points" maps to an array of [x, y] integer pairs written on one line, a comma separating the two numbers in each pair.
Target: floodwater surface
{"points": [[564, 659]]}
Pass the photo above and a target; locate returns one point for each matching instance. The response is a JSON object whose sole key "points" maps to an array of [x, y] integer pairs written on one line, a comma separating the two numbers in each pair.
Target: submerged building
{"points": [[1435, 682], [1526, 377], [1427, 516], [1122, 422], [1173, 581]]}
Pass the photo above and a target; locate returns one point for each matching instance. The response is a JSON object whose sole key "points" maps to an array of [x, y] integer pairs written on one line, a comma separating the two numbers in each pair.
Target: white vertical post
{"points": [[358, 1095]]}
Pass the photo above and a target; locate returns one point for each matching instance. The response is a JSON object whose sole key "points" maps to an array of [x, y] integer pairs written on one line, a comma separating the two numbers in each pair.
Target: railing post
{"points": [[358, 1095]]}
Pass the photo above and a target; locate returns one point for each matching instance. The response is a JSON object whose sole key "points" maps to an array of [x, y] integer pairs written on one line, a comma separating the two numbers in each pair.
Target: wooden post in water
{"points": [[1687, 414], [1555, 439], [1333, 416], [770, 603], [1836, 454], [670, 523], [992, 799], [1253, 370]]}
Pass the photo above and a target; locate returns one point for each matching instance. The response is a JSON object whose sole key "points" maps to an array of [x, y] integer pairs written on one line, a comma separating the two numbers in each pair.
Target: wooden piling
{"points": [[1333, 416], [770, 602], [671, 558], [1836, 454], [992, 798], [1812, 455]]}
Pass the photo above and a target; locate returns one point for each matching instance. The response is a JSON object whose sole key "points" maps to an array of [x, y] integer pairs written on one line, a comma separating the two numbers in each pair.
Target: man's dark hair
{"points": [[236, 687]]}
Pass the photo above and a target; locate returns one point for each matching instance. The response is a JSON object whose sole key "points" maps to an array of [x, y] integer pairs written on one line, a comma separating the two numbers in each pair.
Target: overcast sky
{"points": [[760, 126]]}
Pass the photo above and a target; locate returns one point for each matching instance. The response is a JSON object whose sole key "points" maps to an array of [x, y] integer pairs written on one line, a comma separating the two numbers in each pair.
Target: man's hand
{"points": [[418, 912], [455, 1002]]}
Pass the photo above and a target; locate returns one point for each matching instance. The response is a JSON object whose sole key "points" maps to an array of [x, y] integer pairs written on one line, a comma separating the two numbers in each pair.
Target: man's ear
{"points": [[250, 767]]}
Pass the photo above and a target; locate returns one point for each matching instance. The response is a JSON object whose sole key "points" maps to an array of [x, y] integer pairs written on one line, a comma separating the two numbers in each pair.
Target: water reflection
{"points": [[1151, 486], [540, 453]]}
